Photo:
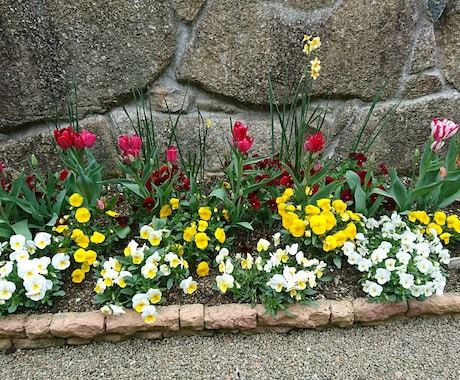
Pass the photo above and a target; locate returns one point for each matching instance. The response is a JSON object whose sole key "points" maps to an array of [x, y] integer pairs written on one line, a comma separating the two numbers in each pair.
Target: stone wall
{"points": [[211, 58]]}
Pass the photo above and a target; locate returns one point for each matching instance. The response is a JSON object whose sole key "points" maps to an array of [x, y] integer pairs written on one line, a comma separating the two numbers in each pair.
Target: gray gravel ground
{"points": [[412, 349]]}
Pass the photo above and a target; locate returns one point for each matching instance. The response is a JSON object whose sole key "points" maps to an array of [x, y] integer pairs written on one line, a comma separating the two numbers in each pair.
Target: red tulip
{"points": [[64, 137], [315, 143]]}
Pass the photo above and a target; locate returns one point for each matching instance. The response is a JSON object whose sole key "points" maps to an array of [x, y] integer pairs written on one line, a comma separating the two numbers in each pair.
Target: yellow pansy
{"points": [[189, 233], [297, 228], [97, 237], [82, 215], [78, 276], [201, 240], [219, 234], [440, 217], [318, 224], [205, 213], [202, 225], [165, 211], [174, 202], [76, 200], [202, 269]]}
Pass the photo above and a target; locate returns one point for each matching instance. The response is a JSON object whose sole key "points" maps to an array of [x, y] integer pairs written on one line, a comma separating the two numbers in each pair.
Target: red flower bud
{"points": [[171, 154]]}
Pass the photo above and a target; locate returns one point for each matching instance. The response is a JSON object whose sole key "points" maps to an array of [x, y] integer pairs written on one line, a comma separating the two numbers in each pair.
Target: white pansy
{"points": [[36, 287], [390, 264], [403, 257], [60, 261], [278, 282], [382, 275], [406, 280], [149, 314], [378, 255], [6, 269], [17, 242], [188, 285], [149, 270], [224, 282], [19, 254], [423, 249], [262, 245], [364, 265], [42, 240], [354, 258], [7, 288], [165, 269]]}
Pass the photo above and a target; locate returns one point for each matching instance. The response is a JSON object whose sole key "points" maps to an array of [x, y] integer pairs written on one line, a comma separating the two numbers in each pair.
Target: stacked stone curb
{"points": [[52, 330]]}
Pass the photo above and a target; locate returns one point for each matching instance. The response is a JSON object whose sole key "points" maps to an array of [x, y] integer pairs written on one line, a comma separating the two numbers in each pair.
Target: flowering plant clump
{"points": [[82, 236], [247, 192], [400, 257], [274, 275], [322, 228], [30, 271], [138, 278]]}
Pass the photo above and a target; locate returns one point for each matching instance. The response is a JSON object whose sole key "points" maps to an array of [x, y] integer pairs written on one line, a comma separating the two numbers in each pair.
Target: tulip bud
{"points": [[33, 161]]}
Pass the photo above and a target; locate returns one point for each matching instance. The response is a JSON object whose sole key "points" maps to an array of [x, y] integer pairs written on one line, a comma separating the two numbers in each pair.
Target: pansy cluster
{"points": [[274, 274], [400, 257], [324, 226], [30, 271]]}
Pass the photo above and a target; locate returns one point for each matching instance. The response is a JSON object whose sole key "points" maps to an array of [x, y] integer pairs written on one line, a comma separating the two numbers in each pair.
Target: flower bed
{"points": [[273, 230]]}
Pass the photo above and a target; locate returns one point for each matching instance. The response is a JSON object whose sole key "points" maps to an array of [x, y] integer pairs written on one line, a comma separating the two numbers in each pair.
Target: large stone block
{"points": [[447, 33], [362, 44], [107, 45]]}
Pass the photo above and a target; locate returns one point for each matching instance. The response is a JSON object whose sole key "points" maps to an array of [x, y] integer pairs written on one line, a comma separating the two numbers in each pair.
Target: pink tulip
{"points": [[1, 166], [441, 130], [126, 142], [245, 144], [84, 140], [171, 154]]}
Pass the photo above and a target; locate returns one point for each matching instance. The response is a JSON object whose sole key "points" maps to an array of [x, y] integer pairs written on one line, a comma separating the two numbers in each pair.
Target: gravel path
{"points": [[413, 349]]}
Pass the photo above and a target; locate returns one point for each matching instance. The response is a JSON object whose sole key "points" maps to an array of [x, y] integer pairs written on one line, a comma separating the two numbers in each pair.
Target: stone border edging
{"points": [[25, 331]]}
